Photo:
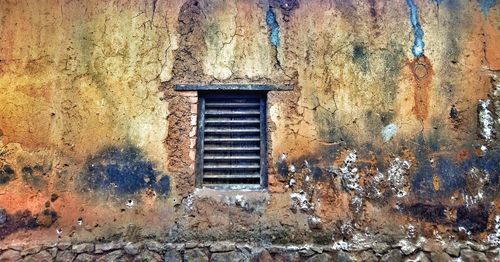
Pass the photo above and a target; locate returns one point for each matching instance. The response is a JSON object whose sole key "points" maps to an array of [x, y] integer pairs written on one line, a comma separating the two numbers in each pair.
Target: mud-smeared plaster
{"points": [[272, 23], [486, 5], [123, 170], [335, 134], [418, 42]]}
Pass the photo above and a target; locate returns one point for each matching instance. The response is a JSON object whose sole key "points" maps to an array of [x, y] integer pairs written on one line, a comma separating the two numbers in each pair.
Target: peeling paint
{"points": [[357, 203], [300, 201], [397, 175], [486, 123], [314, 222], [349, 173], [476, 180], [389, 132], [494, 238], [272, 23], [486, 5], [378, 179], [188, 202]]}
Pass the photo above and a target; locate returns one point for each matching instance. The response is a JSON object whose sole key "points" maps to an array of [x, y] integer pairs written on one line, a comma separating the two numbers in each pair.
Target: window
{"points": [[231, 139]]}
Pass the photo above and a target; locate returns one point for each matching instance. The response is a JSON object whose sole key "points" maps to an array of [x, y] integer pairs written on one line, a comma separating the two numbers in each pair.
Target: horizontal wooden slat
{"points": [[209, 113], [211, 105], [231, 121], [232, 176], [227, 130], [228, 148], [235, 139], [209, 157], [219, 167]]}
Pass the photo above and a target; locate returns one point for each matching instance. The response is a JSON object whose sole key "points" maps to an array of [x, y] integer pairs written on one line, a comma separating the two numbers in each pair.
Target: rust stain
{"points": [[421, 68], [436, 182], [462, 155]]}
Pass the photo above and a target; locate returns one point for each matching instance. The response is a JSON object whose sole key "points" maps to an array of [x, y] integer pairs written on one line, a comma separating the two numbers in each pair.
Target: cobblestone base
{"points": [[152, 250]]}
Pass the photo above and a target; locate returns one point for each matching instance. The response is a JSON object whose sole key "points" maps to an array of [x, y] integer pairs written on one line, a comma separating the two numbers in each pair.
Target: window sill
{"points": [[233, 87], [233, 197]]}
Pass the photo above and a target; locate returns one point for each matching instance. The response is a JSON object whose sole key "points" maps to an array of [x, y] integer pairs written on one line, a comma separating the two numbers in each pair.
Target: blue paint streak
{"points": [[274, 37], [438, 2], [418, 44], [486, 5]]}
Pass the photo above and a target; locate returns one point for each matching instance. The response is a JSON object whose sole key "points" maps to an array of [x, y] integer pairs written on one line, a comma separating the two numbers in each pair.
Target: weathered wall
{"points": [[391, 125]]}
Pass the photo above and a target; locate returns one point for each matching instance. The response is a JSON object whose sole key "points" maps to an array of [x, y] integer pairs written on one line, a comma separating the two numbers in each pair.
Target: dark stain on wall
{"points": [[163, 185], [422, 177], [360, 57], [454, 113], [287, 6], [6, 174], [386, 117], [332, 132], [282, 167], [46, 218], [450, 171], [393, 62], [435, 213], [124, 170], [450, 175], [373, 10], [473, 219], [310, 165], [35, 175], [25, 220]]}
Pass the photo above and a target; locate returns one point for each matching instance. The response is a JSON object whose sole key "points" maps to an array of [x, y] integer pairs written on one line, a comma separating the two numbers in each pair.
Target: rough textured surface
{"points": [[389, 135], [244, 252]]}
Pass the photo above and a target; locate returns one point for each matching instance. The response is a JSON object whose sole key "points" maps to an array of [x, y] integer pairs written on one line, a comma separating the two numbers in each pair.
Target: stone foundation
{"points": [[152, 250]]}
